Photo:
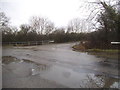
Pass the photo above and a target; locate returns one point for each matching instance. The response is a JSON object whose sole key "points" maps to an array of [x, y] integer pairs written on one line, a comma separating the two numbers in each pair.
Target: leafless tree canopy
{"points": [[41, 25], [3, 19], [76, 25]]}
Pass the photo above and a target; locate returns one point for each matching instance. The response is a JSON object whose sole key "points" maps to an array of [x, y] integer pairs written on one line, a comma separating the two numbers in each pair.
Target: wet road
{"points": [[59, 66]]}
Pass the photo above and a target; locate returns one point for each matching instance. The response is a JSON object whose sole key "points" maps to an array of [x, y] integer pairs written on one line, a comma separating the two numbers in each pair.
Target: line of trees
{"points": [[39, 29], [107, 28]]}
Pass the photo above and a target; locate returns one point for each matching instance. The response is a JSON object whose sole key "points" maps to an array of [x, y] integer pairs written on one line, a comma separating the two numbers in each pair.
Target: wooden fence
{"points": [[29, 43]]}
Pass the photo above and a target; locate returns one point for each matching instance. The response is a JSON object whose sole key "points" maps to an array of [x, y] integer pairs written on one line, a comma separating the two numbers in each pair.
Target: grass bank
{"points": [[105, 53]]}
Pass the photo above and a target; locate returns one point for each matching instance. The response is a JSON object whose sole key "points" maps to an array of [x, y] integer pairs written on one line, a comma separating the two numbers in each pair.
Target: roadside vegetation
{"points": [[104, 53], [99, 41]]}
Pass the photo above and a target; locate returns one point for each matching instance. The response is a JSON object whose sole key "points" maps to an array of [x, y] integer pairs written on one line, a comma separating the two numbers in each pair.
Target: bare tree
{"points": [[4, 20], [49, 28], [4, 28], [25, 28], [76, 25], [95, 8], [41, 25]]}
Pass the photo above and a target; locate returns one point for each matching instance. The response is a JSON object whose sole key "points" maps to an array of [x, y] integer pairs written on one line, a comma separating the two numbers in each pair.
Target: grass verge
{"points": [[104, 53]]}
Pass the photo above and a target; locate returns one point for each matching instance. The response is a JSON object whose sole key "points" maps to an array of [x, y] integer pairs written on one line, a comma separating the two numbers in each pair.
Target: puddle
{"points": [[9, 59], [24, 67], [73, 79]]}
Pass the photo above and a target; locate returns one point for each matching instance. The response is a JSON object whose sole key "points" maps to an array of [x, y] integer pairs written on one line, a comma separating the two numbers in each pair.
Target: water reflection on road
{"points": [[58, 65]]}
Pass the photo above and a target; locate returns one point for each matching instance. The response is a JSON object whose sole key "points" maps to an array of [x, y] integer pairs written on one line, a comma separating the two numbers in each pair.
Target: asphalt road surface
{"points": [[56, 66]]}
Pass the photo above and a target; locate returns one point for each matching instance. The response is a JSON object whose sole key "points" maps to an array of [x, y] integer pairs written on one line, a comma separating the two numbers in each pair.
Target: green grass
{"points": [[104, 53], [104, 50], [108, 53]]}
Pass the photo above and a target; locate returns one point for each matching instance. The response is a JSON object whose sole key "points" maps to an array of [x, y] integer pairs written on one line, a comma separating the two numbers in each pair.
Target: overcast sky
{"points": [[58, 11]]}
